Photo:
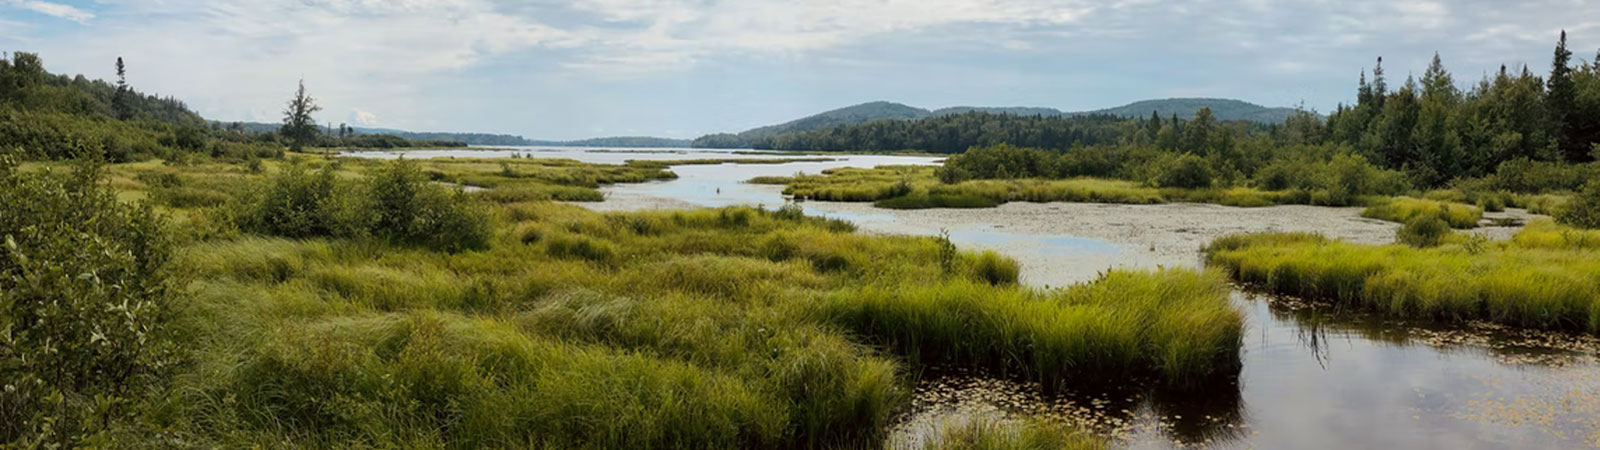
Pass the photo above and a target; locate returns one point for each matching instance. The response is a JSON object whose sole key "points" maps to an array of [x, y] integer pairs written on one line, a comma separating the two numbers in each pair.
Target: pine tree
{"points": [[1364, 92], [1437, 83], [298, 126], [119, 100], [1559, 99], [1380, 88], [1198, 133]]}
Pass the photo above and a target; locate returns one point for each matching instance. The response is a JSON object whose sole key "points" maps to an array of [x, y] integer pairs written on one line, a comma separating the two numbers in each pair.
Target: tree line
{"points": [[1429, 129], [51, 116]]}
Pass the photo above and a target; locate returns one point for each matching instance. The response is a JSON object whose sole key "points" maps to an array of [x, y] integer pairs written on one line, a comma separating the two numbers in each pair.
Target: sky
{"points": [[550, 69]]}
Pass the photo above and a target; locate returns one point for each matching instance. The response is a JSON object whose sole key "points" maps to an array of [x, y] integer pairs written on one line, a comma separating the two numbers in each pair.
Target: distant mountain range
{"points": [[489, 138], [1224, 109]]}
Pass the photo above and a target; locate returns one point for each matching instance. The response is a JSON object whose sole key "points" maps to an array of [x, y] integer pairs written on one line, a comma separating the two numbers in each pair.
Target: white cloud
{"points": [[362, 118], [67, 12], [409, 60]]}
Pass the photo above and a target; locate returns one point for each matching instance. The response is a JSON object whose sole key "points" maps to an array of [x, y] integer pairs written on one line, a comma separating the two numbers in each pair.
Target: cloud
{"points": [[362, 118], [67, 12], [558, 68]]}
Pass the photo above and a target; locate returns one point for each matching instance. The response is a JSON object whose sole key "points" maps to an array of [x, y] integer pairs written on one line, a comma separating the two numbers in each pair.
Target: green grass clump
{"points": [[771, 180], [1175, 325], [1402, 209], [1539, 280], [915, 187], [1423, 230], [979, 434], [1550, 235], [926, 201]]}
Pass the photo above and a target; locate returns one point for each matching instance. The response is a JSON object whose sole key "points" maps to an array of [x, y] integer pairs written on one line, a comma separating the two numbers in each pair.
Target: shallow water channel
{"points": [[1313, 376]]}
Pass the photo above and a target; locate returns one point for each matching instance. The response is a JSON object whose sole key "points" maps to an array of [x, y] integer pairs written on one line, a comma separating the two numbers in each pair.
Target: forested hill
{"points": [[849, 115], [468, 138], [1183, 108], [627, 141]]}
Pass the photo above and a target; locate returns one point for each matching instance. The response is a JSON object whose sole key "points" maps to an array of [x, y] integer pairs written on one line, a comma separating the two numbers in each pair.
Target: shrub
{"points": [[397, 204], [790, 211], [1423, 231], [405, 207], [301, 204], [1582, 210], [1186, 171], [83, 300]]}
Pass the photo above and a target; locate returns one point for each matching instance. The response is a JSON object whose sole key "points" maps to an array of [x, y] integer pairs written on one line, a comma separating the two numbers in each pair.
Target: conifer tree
{"points": [[119, 100], [1558, 101]]}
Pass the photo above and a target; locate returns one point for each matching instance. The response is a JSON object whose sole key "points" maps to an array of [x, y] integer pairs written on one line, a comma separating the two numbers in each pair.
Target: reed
{"points": [[1538, 280]]}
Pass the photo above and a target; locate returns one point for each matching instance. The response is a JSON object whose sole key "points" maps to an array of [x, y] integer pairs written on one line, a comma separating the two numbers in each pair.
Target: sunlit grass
{"points": [[915, 187], [1402, 209], [1545, 278], [715, 328]]}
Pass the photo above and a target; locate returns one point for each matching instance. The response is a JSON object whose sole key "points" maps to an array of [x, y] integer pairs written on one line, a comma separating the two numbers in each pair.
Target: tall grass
{"points": [[1403, 209], [983, 434], [716, 328], [1177, 325], [917, 187], [1534, 281]]}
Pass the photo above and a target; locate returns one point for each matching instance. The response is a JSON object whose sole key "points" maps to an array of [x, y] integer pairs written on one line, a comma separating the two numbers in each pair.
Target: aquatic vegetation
{"points": [[1423, 230], [915, 187], [1542, 279], [733, 327], [1403, 209], [980, 434], [1175, 325]]}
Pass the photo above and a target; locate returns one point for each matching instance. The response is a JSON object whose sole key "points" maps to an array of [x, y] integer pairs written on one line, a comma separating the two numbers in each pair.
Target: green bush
{"points": [[301, 204], [1186, 171], [1423, 231], [397, 204], [1583, 209], [405, 207], [83, 300]]}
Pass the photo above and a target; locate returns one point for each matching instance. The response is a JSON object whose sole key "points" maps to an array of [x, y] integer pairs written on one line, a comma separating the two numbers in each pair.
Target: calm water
{"points": [[1312, 377]]}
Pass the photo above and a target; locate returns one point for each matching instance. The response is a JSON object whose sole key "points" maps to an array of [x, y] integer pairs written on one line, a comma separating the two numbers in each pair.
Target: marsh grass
{"points": [[715, 328], [986, 434], [1544, 278], [1403, 209], [917, 187]]}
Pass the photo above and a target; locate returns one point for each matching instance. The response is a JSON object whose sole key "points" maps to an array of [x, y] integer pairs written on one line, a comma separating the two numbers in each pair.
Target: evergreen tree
{"points": [[1559, 99], [119, 100], [1364, 92], [298, 125], [1197, 134], [1380, 88]]}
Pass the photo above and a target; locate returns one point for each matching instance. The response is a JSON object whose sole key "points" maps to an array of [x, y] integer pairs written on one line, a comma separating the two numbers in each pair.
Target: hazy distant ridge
{"points": [[1224, 109]]}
